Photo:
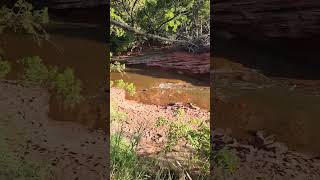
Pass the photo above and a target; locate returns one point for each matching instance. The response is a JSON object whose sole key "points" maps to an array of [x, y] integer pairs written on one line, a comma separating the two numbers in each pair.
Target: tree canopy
{"points": [[183, 21]]}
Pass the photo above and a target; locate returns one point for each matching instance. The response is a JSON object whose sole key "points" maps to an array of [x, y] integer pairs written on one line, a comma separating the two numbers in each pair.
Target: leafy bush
{"points": [[35, 71], [68, 88], [129, 87], [65, 86], [117, 67], [198, 138], [5, 68], [227, 160], [23, 18]]}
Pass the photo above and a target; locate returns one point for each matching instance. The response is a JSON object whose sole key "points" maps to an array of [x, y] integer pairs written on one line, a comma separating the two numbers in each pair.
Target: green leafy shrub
{"points": [[65, 86], [198, 137], [5, 68], [128, 87], [35, 71], [117, 67], [68, 88], [227, 160], [131, 89], [116, 116], [23, 18]]}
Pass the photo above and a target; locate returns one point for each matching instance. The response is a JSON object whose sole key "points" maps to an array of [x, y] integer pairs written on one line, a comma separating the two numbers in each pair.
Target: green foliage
{"points": [[227, 160], [34, 70], [23, 18], [116, 116], [182, 19], [124, 159], [129, 87], [179, 112], [65, 86], [5, 68], [68, 88], [117, 67], [13, 168], [198, 137]]}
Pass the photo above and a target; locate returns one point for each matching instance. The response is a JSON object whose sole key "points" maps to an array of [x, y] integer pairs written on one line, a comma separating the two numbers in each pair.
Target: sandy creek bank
{"points": [[72, 149]]}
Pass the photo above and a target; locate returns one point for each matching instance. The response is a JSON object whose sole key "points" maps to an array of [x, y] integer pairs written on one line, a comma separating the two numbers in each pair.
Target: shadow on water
{"points": [[289, 112], [278, 58]]}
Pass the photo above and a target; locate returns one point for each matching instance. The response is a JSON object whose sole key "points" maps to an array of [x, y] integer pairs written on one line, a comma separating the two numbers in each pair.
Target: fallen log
{"points": [[194, 45]]}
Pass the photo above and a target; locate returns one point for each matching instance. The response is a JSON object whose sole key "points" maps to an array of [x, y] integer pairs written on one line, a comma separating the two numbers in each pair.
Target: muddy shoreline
{"points": [[72, 150]]}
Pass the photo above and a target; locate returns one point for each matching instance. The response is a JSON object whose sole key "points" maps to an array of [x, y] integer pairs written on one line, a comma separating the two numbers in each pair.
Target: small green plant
{"points": [[116, 116], [111, 84], [180, 113], [120, 84], [128, 87], [117, 67], [65, 86], [68, 88], [5, 68], [198, 137], [124, 159], [131, 89], [35, 71], [227, 160]]}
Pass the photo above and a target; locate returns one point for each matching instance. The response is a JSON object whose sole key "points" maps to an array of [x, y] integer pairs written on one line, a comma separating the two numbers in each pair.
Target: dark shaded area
{"points": [[284, 33], [277, 58]]}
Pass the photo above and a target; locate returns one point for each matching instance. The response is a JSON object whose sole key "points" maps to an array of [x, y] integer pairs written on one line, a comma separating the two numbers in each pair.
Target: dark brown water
{"points": [[82, 47], [163, 88], [287, 105]]}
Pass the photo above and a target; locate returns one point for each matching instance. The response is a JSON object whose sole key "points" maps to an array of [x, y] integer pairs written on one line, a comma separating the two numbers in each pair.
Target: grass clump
{"points": [[116, 116], [227, 160], [5, 68], [125, 162], [195, 132], [14, 168]]}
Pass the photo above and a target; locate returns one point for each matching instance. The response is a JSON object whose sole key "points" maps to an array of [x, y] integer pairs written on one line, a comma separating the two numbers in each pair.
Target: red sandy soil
{"points": [[144, 116]]}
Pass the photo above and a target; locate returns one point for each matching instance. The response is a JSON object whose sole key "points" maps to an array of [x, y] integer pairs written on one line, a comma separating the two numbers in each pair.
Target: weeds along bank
{"points": [[162, 142]]}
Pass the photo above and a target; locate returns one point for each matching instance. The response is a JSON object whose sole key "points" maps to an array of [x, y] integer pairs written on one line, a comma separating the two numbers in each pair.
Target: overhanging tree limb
{"points": [[148, 35]]}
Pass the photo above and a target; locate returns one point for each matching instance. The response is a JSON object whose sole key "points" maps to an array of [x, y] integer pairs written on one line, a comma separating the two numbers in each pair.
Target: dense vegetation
{"points": [[174, 20]]}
